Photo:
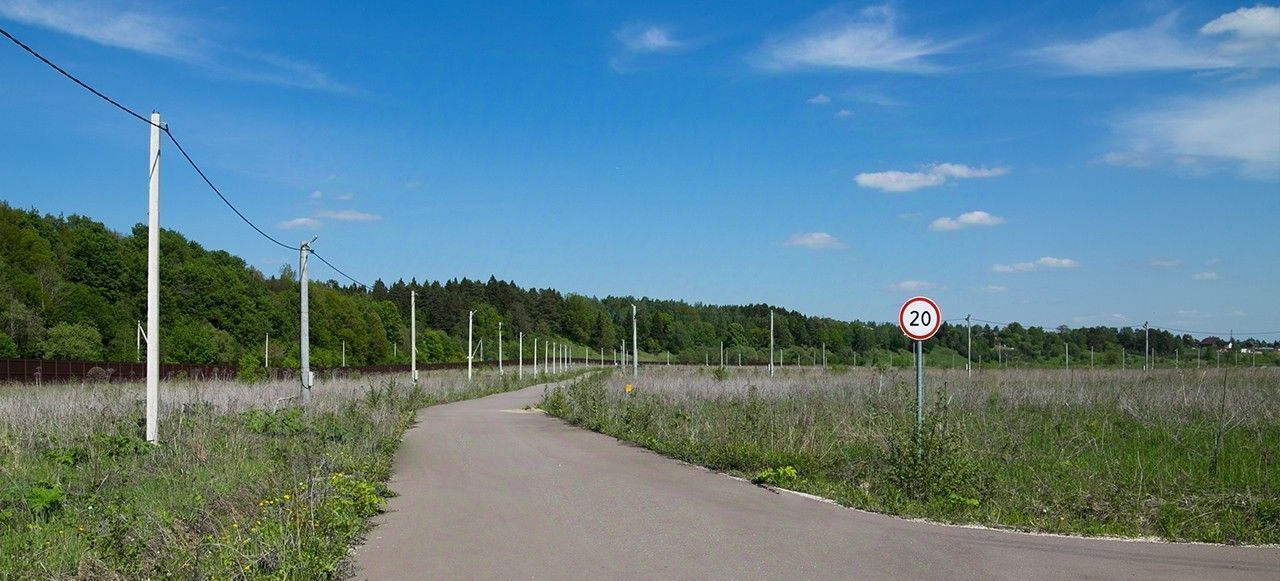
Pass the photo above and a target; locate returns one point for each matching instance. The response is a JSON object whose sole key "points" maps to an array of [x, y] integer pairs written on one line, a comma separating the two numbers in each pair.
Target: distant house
{"points": [[1210, 342]]}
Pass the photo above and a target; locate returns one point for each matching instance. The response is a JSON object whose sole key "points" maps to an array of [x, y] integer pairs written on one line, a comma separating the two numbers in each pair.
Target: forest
{"points": [[70, 288]]}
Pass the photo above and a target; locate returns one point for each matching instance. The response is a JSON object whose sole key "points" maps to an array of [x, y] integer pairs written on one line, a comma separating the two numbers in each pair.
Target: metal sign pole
{"points": [[919, 384]]}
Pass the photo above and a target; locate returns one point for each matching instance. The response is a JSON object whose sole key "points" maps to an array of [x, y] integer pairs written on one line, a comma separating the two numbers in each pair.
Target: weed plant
{"points": [[1180, 455]]}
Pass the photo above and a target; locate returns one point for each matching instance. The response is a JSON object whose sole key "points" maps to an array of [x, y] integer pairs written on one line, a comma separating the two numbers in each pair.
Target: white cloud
{"points": [[1044, 261], [345, 197], [1245, 38], [348, 215], [1205, 276], [298, 223], [816, 241], [1165, 262], [820, 99], [844, 113], [995, 288], [966, 220], [645, 38], [934, 175], [316, 195], [125, 26], [868, 40], [1236, 129], [913, 286]]}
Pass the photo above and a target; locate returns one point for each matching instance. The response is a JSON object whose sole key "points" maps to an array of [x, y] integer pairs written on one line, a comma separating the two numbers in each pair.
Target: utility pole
{"points": [[344, 352], [266, 352], [824, 354], [304, 250], [535, 356], [153, 283], [500, 371], [771, 343], [968, 357], [471, 315], [635, 344], [722, 354], [520, 373], [1146, 349], [413, 337]]}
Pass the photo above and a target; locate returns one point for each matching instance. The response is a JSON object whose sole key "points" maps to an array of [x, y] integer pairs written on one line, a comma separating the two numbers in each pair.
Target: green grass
{"points": [[232, 490], [1171, 456]]}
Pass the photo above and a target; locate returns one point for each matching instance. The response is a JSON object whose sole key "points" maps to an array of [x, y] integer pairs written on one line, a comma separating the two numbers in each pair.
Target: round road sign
{"points": [[920, 318]]}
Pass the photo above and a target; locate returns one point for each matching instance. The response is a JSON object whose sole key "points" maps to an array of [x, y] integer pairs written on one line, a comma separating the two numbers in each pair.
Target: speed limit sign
{"points": [[920, 318]]}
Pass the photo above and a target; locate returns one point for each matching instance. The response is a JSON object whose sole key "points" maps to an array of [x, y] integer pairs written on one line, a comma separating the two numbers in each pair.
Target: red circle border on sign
{"points": [[903, 311]]}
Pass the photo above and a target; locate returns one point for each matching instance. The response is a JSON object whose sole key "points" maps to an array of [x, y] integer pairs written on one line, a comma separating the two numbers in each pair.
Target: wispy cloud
{"points": [[819, 99], [966, 220], [299, 223], [1236, 129], [913, 286], [348, 215], [639, 37], [868, 39], [1042, 262], [934, 175], [816, 241], [1244, 38], [316, 195], [1208, 275], [164, 35], [995, 288], [1165, 262], [844, 114]]}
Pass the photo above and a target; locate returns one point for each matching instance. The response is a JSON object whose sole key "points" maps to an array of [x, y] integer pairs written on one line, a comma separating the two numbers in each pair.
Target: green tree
{"points": [[7, 347], [72, 341]]}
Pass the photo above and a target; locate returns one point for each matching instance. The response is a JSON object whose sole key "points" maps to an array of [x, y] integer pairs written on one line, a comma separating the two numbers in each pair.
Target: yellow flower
{"points": [[286, 497]]}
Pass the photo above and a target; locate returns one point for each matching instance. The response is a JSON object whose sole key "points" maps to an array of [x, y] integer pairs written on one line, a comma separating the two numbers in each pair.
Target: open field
{"points": [[1176, 455], [241, 484]]}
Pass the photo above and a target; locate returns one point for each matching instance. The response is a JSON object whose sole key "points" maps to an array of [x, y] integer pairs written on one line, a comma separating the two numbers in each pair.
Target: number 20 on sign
{"points": [[920, 318]]}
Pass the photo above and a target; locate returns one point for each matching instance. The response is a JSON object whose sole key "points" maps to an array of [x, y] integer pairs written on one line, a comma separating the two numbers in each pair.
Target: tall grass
{"points": [[1178, 455], [242, 484]]}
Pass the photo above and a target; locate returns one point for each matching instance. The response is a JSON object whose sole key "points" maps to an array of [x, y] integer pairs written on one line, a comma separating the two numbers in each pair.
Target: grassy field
{"points": [[242, 484], [1180, 455]]}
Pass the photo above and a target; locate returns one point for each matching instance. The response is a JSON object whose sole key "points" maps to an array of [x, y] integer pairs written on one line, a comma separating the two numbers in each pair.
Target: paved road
{"points": [[489, 491]]}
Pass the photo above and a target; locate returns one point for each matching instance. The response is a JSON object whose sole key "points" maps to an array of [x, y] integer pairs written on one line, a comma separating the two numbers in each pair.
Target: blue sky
{"points": [[1058, 163]]}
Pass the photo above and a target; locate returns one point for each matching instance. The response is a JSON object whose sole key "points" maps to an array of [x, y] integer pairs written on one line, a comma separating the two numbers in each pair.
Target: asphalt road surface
{"points": [[490, 491]]}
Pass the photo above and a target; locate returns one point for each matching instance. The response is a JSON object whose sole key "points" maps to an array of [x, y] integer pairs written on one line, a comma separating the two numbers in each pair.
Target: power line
{"points": [[172, 138], [215, 189], [73, 78], [317, 255]]}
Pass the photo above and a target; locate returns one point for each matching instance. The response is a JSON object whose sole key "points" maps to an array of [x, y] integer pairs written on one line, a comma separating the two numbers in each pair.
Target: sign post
{"points": [[920, 318]]}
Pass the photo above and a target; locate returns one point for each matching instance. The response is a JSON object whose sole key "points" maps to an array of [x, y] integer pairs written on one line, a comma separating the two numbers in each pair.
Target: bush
{"points": [[72, 341]]}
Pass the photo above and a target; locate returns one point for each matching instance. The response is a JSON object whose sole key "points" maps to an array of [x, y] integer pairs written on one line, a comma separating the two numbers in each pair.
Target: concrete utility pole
{"points": [[500, 371], [471, 315], [266, 352], [1146, 349], [824, 355], [635, 344], [968, 356], [722, 354], [520, 373], [153, 283], [1068, 355], [304, 250], [770, 343], [413, 337], [535, 356], [344, 352]]}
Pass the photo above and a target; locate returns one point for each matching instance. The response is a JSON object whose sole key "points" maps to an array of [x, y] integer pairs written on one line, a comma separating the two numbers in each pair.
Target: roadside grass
{"points": [[1183, 456], [238, 486]]}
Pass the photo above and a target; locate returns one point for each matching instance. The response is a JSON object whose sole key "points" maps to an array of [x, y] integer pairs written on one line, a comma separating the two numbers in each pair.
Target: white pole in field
{"points": [[413, 337], [500, 371], [770, 343], [137, 342], [1146, 347], [535, 356], [968, 357], [304, 343], [344, 352], [635, 344], [470, 352], [824, 355], [266, 352], [722, 354], [153, 283], [520, 373]]}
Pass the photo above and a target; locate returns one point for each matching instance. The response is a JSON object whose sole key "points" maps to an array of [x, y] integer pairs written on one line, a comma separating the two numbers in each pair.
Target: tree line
{"points": [[70, 288]]}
